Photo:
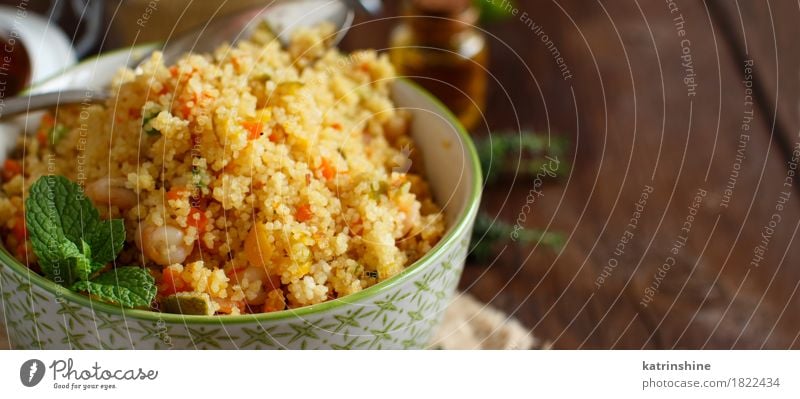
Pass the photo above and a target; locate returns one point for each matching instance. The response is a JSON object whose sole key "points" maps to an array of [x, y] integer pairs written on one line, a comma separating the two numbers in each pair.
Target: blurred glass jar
{"points": [[437, 45], [142, 21]]}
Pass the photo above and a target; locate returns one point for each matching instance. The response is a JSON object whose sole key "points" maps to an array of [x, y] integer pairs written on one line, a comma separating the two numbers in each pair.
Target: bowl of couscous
{"points": [[255, 197]]}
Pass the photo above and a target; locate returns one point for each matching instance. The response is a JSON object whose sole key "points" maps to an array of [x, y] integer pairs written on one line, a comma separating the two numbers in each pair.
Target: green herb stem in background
{"points": [[489, 231], [495, 10], [522, 153], [73, 245]]}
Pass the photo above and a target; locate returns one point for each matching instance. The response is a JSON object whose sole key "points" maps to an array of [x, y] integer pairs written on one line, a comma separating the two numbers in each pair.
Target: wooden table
{"points": [[694, 101]]}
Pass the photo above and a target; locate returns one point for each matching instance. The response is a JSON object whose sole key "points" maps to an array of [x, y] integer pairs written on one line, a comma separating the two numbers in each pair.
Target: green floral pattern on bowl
{"points": [[402, 312]]}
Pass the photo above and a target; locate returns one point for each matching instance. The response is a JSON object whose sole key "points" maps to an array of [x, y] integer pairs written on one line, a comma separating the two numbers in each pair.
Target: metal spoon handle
{"points": [[35, 102]]}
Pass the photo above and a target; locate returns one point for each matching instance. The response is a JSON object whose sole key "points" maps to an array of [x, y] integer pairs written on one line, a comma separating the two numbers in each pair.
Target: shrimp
{"points": [[164, 245], [111, 192]]}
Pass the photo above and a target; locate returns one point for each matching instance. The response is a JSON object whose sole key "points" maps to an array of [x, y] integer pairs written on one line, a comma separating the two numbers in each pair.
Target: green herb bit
{"points": [[56, 133], [200, 178], [73, 244], [188, 303], [150, 113], [527, 153], [493, 10], [381, 189], [488, 232]]}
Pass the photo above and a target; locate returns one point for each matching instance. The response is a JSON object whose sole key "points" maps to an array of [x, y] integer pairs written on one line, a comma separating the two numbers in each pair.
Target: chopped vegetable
{"points": [[19, 229], [328, 171], [188, 303], [381, 189], [11, 168], [254, 129], [45, 126], [303, 213], [288, 88], [57, 133], [198, 219], [150, 113], [73, 245], [176, 193]]}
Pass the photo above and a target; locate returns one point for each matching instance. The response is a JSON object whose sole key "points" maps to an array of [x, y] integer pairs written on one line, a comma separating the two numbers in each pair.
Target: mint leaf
{"points": [[106, 240], [73, 244], [128, 286], [66, 232], [57, 211], [55, 221], [82, 265]]}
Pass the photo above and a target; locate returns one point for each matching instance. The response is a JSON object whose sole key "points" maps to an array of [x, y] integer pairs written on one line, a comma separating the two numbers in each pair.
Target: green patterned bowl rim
{"points": [[461, 226]]}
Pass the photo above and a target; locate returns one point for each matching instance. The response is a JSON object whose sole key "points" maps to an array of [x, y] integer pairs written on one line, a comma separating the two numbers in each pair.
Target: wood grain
{"points": [[633, 125], [626, 110]]}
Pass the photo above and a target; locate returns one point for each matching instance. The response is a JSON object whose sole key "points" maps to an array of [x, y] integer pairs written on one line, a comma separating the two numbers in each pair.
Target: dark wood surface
{"points": [[632, 125]]}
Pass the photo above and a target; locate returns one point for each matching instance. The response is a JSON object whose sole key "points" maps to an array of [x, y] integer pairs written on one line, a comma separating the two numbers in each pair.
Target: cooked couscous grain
{"points": [[262, 177]]}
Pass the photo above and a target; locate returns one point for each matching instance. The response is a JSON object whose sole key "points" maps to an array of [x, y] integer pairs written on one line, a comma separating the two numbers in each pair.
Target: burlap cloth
{"points": [[468, 324]]}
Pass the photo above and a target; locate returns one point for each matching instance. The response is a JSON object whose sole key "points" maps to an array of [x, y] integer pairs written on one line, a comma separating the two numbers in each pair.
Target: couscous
{"points": [[254, 179]]}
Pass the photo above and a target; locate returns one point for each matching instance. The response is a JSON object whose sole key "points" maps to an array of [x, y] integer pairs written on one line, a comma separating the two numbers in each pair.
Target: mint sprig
{"points": [[73, 244], [128, 286]]}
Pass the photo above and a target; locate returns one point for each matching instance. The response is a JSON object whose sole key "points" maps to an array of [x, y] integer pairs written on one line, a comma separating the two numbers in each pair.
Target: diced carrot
{"points": [[227, 306], [48, 120], [254, 129], [47, 124], [234, 273], [185, 111], [41, 137], [273, 282], [303, 213], [173, 70], [176, 193], [135, 113], [171, 283], [11, 168], [20, 230], [22, 251], [328, 171], [198, 219], [336, 125], [275, 302]]}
